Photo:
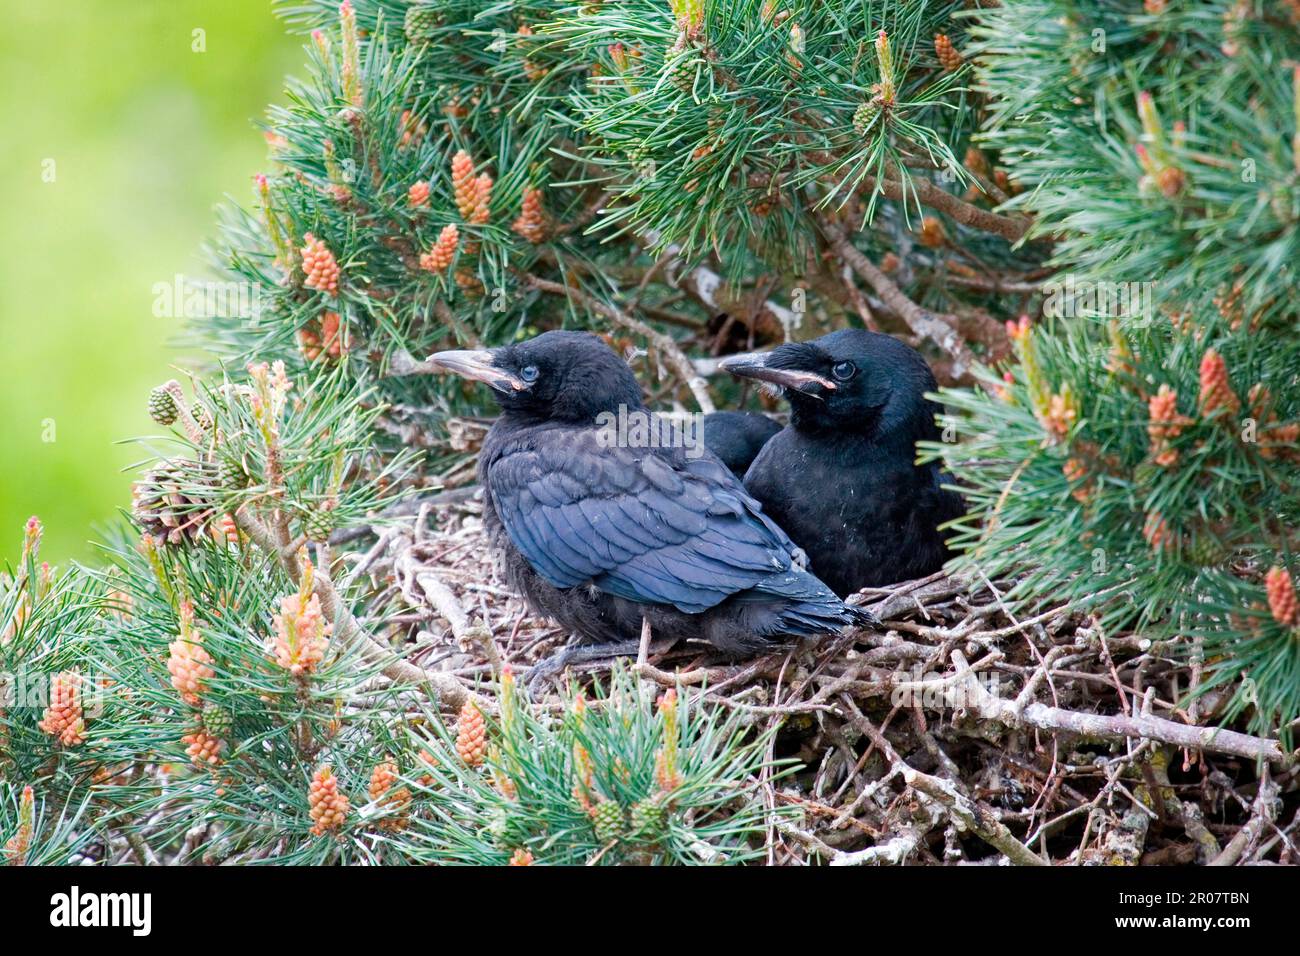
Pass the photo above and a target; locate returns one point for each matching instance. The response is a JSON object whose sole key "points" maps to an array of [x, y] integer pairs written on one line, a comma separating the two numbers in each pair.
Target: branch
{"points": [[921, 321], [665, 344], [1008, 227], [450, 691], [1142, 726]]}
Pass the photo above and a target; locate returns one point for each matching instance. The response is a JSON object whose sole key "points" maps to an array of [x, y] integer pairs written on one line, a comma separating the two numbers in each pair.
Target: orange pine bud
{"points": [[440, 256], [395, 802], [225, 530], [319, 266], [1157, 533], [332, 338], [1076, 472], [976, 162], [190, 667], [16, 847], [464, 185], [933, 234], [418, 195], [1281, 597], [482, 197], [948, 56], [203, 748], [328, 807], [1060, 415], [471, 735], [412, 128], [521, 858], [64, 717], [1216, 390], [1164, 425], [531, 223], [300, 634]]}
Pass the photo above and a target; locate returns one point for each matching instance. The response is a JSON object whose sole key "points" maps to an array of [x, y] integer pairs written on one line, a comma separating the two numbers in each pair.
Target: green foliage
{"points": [[614, 780], [1169, 531]]}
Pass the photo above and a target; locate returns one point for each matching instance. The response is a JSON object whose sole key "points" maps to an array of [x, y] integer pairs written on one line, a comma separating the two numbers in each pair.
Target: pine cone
{"points": [[863, 115], [318, 524], [217, 720], [162, 406], [607, 821], [417, 196], [681, 62], [521, 858], [1281, 597], [421, 23], [172, 502], [648, 819], [328, 807], [471, 735], [232, 474]]}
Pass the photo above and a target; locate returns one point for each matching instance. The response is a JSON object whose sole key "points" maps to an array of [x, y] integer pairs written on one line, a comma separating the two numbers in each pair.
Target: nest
{"points": [[961, 731]]}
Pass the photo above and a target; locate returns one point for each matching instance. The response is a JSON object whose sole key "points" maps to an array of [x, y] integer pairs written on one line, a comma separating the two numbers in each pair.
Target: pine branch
{"points": [[921, 321], [664, 344], [448, 690]]}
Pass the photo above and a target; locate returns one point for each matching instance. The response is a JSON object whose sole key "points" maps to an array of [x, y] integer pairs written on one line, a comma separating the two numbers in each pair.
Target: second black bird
{"points": [[842, 478]]}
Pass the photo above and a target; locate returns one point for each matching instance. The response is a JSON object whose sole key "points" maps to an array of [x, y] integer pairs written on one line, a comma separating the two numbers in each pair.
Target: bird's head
{"points": [[849, 381], [560, 376]]}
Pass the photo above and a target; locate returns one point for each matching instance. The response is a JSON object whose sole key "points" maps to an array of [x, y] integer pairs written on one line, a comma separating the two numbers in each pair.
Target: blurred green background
{"points": [[146, 135]]}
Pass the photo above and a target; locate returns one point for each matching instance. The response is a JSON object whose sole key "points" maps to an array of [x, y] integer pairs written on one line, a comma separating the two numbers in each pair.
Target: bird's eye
{"points": [[844, 370], [528, 373]]}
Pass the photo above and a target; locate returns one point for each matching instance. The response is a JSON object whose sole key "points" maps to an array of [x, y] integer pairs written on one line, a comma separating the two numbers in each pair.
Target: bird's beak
{"points": [[477, 364], [755, 366]]}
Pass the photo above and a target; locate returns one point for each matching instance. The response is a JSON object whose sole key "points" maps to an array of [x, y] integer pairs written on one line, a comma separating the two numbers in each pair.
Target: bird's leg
{"points": [[555, 665]]}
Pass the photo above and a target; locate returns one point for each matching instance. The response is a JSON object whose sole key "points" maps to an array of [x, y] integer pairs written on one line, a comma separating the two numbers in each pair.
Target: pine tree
{"points": [[689, 178], [1143, 453]]}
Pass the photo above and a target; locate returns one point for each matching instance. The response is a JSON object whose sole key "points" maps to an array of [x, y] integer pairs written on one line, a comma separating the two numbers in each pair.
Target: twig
{"points": [[919, 320], [450, 691], [1139, 726], [664, 344]]}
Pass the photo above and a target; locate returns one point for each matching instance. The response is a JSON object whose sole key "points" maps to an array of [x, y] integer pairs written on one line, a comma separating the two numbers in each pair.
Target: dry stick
{"points": [[1261, 816], [444, 601], [919, 320], [449, 690], [962, 808], [971, 815], [665, 344], [706, 286], [1142, 726]]}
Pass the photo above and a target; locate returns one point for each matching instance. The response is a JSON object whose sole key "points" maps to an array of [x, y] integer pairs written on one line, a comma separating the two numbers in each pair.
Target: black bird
{"points": [[599, 536], [842, 478], [737, 437]]}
